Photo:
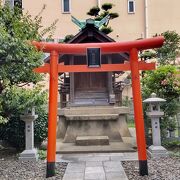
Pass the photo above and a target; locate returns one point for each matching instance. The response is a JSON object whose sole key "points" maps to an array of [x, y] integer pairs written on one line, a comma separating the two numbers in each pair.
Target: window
{"points": [[66, 6], [9, 2], [18, 3], [131, 6], [13, 3]]}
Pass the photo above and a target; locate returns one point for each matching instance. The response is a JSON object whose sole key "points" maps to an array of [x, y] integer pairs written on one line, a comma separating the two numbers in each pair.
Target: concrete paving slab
{"points": [[95, 176], [96, 166], [115, 176], [75, 167], [98, 169], [102, 158], [113, 166], [71, 157], [130, 156], [73, 176], [93, 163], [117, 158]]}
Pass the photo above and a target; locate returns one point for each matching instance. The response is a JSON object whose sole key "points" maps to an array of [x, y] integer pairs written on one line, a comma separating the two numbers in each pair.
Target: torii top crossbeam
{"points": [[114, 47]]}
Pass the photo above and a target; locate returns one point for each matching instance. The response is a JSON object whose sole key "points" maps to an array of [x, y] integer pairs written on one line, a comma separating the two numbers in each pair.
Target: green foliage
{"points": [[173, 147], [15, 100], [131, 123], [42, 154], [105, 11], [163, 81], [18, 58], [107, 6], [68, 37], [171, 144], [148, 54], [94, 11], [106, 30], [13, 130], [166, 84], [169, 51], [41, 126], [113, 15]]}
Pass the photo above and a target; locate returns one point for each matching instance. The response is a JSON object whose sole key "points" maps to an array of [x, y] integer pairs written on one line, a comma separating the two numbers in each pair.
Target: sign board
{"points": [[94, 57]]}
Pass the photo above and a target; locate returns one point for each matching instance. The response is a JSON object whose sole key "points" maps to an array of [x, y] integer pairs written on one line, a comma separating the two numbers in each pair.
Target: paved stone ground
{"points": [[94, 166]]}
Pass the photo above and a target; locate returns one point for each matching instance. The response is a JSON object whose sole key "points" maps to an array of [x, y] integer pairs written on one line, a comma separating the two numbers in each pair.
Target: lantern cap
{"points": [[154, 99]]}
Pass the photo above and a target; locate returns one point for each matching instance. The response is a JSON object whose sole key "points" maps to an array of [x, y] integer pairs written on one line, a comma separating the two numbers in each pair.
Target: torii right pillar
{"points": [[138, 112]]}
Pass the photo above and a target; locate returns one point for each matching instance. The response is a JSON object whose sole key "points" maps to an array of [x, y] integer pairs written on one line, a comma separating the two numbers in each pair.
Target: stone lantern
{"points": [[154, 112], [30, 153]]}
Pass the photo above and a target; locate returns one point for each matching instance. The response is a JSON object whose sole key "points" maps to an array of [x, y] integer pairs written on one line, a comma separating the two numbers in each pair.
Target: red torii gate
{"points": [[113, 47]]}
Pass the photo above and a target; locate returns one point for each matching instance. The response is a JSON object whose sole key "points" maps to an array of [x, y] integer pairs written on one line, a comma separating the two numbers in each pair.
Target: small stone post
{"points": [[155, 150], [30, 153]]}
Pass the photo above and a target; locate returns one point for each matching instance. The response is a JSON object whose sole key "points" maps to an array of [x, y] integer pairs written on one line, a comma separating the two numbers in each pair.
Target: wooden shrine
{"points": [[90, 111], [91, 88]]}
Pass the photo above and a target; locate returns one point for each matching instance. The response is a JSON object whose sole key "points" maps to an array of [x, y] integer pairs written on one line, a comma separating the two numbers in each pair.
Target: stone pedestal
{"points": [[157, 151], [30, 153], [156, 137]]}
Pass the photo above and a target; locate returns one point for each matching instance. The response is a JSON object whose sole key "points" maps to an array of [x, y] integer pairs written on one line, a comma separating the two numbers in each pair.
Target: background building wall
{"points": [[162, 15]]}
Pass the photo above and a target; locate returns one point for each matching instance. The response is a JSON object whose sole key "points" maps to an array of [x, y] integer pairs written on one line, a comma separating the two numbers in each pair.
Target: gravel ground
{"points": [[12, 169], [159, 169]]}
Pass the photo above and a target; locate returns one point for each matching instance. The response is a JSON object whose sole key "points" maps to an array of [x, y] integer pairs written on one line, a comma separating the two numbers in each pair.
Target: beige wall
{"points": [[162, 15]]}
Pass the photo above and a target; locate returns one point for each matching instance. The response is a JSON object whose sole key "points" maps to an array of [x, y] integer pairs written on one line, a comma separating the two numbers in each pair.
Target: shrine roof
{"points": [[91, 34]]}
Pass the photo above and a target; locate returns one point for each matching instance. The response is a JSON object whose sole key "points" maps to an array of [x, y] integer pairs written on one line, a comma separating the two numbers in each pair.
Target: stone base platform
{"points": [[92, 140], [112, 147], [93, 129]]}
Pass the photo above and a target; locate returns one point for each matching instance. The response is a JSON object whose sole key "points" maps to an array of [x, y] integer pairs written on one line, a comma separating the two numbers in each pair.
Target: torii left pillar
{"points": [[53, 106]]}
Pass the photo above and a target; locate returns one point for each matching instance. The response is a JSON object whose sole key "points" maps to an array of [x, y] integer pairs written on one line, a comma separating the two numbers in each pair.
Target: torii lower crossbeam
{"points": [[134, 66]]}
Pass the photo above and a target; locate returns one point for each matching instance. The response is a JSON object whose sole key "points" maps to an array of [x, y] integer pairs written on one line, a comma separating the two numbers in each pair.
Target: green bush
{"points": [[41, 127], [15, 101], [14, 131], [171, 144], [166, 84], [18, 58], [42, 154]]}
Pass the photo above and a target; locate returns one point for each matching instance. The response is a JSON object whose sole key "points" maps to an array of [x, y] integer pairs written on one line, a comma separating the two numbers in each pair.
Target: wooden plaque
{"points": [[94, 57]]}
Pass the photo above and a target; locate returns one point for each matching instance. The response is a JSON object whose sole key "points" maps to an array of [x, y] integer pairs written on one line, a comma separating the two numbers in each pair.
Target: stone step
{"points": [[91, 93], [89, 96], [84, 110], [64, 148], [91, 101], [92, 117], [92, 140]]}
